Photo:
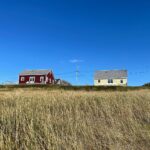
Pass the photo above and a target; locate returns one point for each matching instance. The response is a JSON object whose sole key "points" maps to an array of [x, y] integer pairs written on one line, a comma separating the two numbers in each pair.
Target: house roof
{"points": [[35, 72], [62, 82], [110, 74]]}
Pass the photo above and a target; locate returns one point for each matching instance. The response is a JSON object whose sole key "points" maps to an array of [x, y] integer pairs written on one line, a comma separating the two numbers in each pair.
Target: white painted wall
{"points": [[116, 82]]}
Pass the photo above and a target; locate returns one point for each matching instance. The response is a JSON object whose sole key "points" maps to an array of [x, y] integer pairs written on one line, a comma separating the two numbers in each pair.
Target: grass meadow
{"points": [[42, 119]]}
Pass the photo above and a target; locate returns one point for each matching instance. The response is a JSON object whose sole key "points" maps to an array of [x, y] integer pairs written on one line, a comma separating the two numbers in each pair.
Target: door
{"points": [[42, 80]]}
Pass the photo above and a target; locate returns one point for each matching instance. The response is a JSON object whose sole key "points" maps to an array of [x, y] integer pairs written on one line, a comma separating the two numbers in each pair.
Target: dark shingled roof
{"points": [[110, 74], [35, 72]]}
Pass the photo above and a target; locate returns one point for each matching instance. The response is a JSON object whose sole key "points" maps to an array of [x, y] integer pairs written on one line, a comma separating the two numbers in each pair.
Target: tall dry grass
{"points": [[42, 119]]}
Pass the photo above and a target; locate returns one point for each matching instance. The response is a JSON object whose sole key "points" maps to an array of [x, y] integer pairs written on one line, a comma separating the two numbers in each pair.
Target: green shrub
{"points": [[147, 84]]}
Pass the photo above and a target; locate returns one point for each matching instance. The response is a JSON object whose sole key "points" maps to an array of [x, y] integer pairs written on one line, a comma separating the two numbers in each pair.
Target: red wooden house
{"points": [[36, 77]]}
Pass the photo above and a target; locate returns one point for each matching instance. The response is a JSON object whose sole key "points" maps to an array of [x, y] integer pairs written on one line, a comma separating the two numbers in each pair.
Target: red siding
{"points": [[50, 78]]}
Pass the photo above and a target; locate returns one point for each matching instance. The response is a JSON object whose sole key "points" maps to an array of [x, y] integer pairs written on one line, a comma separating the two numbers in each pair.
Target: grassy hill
{"points": [[60, 119]]}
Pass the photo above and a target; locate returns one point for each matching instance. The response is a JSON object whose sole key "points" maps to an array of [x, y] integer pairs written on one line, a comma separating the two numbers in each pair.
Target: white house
{"points": [[111, 78]]}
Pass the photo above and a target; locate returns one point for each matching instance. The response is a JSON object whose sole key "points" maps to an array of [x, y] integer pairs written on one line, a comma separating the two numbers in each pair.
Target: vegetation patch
{"points": [[73, 88], [60, 119], [147, 85]]}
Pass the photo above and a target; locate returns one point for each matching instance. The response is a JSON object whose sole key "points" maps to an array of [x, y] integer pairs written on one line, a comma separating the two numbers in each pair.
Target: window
{"points": [[121, 81], [32, 79], [99, 81], [22, 78], [110, 80]]}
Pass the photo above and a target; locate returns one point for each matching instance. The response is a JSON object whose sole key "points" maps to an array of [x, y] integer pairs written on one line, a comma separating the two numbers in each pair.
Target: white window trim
{"points": [[110, 82], [121, 81], [31, 78], [22, 78]]}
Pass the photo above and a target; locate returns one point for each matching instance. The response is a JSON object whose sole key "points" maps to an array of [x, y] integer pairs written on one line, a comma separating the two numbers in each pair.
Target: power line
{"points": [[85, 74], [65, 73]]}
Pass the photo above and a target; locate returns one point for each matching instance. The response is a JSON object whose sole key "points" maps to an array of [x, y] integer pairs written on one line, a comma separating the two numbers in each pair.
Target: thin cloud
{"points": [[76, 61]]}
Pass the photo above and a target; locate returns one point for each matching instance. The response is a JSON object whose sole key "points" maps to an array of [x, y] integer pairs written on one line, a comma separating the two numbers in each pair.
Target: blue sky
{"points": [[63, 34]]}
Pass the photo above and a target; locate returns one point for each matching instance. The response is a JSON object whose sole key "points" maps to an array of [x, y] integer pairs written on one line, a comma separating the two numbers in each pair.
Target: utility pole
{"points": [[77, 74]]}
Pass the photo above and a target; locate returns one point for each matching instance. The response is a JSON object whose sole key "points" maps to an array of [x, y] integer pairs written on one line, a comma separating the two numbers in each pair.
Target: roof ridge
{"points": [[114, 70], [35, 72]]}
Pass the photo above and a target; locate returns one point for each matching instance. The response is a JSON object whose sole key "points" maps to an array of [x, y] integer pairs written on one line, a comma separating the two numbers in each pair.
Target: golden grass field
{"points": [[38, 119]]}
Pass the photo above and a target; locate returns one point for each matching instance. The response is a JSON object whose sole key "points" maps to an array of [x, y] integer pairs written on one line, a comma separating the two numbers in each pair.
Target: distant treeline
{"points": [[76, 88], [147, 84]]}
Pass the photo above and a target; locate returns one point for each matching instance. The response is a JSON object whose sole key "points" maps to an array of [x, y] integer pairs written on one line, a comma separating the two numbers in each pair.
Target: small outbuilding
{"points": [[111, 78], [62, 82], [36, 77]]}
